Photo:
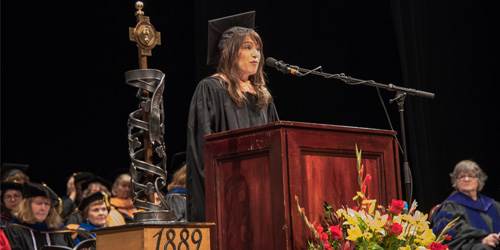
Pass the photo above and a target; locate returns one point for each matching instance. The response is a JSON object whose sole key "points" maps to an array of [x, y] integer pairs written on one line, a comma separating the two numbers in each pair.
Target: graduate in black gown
{"points": [[11, 197], [74, 194], [176, 196], [479, 225], [95, 209], [36, 221], [236, 96]]}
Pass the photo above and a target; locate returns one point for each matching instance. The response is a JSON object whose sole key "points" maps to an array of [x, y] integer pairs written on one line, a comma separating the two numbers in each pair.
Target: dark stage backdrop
{"points": [[65, 104]]}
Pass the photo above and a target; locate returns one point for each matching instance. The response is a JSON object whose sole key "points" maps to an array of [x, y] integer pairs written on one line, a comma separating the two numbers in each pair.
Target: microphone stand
{"points": [[401, 94], [400, 100]]}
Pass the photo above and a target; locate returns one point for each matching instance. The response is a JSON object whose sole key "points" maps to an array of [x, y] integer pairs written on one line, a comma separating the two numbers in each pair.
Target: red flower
{"points": [[335, 232], [324, 237], [319, 228], [447, 237], [396, 229], [363, 188], [397, 206], [437, 246], [328, 246], [368, 178]]}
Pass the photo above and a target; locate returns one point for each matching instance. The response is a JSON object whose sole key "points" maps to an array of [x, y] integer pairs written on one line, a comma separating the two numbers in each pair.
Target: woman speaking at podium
{"points": [[236, 96]]}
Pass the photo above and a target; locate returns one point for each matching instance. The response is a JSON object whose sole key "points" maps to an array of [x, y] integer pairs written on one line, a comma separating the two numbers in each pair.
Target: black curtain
{"points": [[450, 49]]}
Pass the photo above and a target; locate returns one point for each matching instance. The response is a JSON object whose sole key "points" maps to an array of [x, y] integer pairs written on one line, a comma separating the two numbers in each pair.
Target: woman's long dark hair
{"points": [[227, 67]]}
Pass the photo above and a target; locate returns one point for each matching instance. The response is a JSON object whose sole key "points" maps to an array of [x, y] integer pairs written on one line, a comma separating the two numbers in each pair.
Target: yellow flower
{"points": [[421, 218], [354, 232], [409, 219], [341, 213], [397, 219], [405, 248], [381, 219], [371, 205], [425, 238], [367, 235], [377, 223], [401, 236], [358, 195], [352, 217]]}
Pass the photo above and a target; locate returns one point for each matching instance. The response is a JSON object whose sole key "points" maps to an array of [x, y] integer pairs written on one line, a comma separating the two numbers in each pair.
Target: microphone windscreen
{"points": [[271, 62]]}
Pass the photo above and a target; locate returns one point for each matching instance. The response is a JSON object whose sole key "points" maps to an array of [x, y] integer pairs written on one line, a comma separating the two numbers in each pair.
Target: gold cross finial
{"points": [[144, 33]]}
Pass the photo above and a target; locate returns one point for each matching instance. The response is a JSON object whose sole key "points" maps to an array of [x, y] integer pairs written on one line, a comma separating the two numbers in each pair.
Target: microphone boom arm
{"points": [[355, 81]]}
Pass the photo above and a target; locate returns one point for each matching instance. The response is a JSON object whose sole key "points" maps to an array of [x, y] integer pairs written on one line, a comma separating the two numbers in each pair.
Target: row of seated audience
{"points": [[33, 216]]}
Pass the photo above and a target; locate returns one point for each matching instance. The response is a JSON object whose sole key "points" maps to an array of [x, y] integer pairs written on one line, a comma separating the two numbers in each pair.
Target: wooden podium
{"points": [[252, 176]]}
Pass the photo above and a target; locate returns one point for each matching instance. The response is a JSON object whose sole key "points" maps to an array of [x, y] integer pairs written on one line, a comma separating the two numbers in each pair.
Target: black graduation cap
{"points": [[10, 185], [11, 169], [94, 197], [101, 180], [6, 185], [217, 32], [178, 160], [83, 176], [80, 176], [32, 189]]}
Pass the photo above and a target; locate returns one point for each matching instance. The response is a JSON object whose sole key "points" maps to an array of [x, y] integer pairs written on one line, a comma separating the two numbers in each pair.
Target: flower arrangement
{"points": [[371, 226]]}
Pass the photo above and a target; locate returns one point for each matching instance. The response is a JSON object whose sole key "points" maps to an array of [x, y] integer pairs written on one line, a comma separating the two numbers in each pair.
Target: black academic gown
{"points": [[211, 111], [68, 207], [477, 220], [4, 220], [34, 236], [84, 233], [176, 200], [73, 220]]}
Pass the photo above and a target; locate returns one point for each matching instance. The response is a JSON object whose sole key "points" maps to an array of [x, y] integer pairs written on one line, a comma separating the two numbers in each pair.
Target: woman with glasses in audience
{"points": [[479, 224], [37, 222], [12, 195]]}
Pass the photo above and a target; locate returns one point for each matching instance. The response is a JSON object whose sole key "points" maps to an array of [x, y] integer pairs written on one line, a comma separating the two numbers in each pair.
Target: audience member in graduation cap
{"points": [[18, 171], [95, 210], [11, 197], [236, 96], [478, 227], [36, 221], [96, 184], [74, 193]]}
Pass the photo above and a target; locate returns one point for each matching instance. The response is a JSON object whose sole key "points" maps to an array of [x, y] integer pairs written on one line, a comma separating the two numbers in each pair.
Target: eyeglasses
{"points": [[16, 196], [462, 177]]}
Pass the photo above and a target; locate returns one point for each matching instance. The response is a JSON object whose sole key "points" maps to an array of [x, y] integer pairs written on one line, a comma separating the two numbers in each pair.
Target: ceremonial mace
{"points": [[146, 127]]}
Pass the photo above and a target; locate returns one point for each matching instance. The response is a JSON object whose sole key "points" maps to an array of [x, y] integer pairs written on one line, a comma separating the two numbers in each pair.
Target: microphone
{"points": [[283, 67]]}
